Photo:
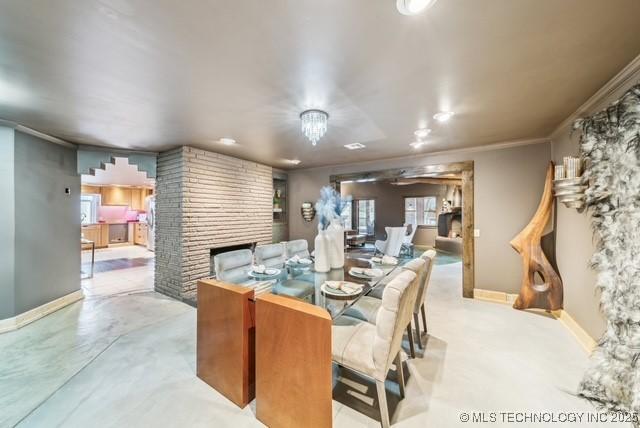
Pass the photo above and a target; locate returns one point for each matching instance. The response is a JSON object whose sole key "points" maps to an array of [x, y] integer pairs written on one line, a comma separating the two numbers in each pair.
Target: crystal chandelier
{"points": [[314, 124]]}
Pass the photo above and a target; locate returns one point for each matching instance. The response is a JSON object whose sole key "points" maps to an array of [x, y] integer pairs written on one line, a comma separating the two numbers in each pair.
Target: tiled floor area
{"points": [[119, 359], [125, 269]]}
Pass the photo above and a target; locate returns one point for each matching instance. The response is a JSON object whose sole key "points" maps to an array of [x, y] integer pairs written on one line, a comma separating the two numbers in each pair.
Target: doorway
{"points": [[118, 236], [460, 173]]}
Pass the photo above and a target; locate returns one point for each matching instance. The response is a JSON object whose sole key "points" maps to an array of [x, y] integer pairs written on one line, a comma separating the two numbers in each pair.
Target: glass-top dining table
{"points": [[304, 282]]}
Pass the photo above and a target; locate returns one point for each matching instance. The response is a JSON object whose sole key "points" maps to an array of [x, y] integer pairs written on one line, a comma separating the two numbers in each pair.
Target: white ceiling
{"points": [[153, 74], [120, 173]]}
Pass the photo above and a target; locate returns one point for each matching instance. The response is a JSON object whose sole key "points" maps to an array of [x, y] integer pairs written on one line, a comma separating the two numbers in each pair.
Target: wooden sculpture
{"points": [[546, 294]]}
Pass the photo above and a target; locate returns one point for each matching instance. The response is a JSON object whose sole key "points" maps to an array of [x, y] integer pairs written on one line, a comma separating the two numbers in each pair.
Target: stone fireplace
{"points": [[206, 201]]}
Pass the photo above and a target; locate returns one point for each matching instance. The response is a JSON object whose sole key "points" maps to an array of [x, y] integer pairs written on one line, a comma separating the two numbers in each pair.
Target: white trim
{"points": [[19, 321], [31, 131], [585, 340], [494, 296], [629, 72], [475, 149], [578, 332]]}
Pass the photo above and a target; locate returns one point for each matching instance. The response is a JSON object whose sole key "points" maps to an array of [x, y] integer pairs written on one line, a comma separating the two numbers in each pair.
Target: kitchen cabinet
{"points": [[88, 190], [92, 233], [98, 233], [113, 195], [140, 234], [137, 202]]}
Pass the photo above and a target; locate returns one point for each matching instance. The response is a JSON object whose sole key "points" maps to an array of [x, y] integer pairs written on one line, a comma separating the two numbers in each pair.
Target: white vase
{"points": [[335, 232], [321, 251]]}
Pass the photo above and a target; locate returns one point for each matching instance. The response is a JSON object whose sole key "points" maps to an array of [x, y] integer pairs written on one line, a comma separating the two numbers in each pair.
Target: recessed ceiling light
{"points": [[293, 161], [443, 116], [354, 146], [413, 7], [422, 132], [365, 180], [417, 144], [227, 141]]}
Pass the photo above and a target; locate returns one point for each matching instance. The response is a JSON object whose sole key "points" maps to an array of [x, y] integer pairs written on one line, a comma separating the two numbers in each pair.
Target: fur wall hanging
{"points": [[610, 145]]}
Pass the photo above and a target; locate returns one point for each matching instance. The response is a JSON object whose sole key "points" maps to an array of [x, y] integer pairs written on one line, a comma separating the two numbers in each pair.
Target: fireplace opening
{"points": [[219, 250]]}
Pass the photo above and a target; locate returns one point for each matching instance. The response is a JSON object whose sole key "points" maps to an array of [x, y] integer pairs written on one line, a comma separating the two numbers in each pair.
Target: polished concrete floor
{"points": [[125, 356]]}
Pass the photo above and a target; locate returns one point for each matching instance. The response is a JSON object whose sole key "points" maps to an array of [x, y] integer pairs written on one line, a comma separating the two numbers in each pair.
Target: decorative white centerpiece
{"points": [[329, 243]]}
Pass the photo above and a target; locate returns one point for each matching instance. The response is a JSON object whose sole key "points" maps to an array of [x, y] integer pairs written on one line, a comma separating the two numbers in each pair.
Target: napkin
{"points": [[389, 260], [347, 287], [372, 273], [295, 259], [259, 268]]}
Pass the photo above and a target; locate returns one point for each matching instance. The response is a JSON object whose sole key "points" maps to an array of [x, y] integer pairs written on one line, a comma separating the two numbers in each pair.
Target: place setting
{"points": [[263, 272], [385, 260], [365, 273], [300, 262], [341, 289]]}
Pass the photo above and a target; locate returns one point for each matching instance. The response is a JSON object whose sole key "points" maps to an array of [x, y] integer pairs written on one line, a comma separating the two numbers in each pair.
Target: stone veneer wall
{"points": [[206, 200]]}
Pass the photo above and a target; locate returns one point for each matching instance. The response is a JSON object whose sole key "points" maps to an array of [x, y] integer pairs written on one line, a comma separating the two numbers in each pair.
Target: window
{"points": [[89, 208], [366, 216], [420, 211], [346, 216]]}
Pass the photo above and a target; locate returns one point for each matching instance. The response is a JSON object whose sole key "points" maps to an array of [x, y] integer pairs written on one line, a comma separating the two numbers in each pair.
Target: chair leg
{"points": [[417, 322], [410, 336], [382, 402], [424, 318], [400, 374]]}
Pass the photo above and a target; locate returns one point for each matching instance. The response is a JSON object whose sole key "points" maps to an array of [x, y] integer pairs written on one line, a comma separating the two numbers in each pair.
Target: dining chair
{"points": [[233, 266], [392, 245], [270, 255], [298, 247], [367, 307], [429, 257], [273, 256], [370, 349]]}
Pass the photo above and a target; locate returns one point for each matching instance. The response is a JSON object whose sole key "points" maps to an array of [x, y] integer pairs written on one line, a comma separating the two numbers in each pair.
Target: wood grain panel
{"points": [[293, 363], [225, 342]]}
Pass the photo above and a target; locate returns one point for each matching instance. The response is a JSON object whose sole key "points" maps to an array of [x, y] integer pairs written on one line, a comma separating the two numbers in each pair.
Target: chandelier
{"points": [[314, 124]]}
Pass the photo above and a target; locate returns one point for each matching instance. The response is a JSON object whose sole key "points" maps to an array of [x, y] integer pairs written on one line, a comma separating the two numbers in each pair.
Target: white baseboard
{"points": [[14, 323], [586, 341], [494, 296]]}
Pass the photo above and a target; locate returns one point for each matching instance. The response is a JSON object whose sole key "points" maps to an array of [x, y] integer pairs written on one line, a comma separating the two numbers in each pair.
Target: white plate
{"points": [[338, 293], [301, 262], [362, 275], [267, 272]]}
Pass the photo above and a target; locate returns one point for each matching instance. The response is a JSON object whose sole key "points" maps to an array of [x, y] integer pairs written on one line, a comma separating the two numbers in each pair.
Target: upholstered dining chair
{"points": [[298, 247], [429, 257], [370, 349], [270, 255], [273, 256], [392, 245], [367, 307], [233, 266]]}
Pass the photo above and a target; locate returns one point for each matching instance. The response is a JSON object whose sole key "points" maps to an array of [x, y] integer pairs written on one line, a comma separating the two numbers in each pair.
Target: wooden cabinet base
{"points": [[293, 363], [225, 340]]}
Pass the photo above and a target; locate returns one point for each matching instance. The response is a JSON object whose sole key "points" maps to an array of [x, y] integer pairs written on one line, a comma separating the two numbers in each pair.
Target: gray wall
{"points": [[575, 239], [45, 248], [508, 186], [7, 225], [390, 205]]}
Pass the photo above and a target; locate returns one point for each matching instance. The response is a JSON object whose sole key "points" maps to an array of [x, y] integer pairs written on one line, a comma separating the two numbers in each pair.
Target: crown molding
{"points": [[628, 74], [41, 135], [476, 149]]}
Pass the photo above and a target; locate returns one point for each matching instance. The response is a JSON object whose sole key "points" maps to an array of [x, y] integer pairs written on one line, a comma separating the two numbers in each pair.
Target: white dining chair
{"points": [[273, 256], [270, 255], [429, 257], [233, 266], [298, 247], [392, 245], [367, 307], [370, 349]]}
